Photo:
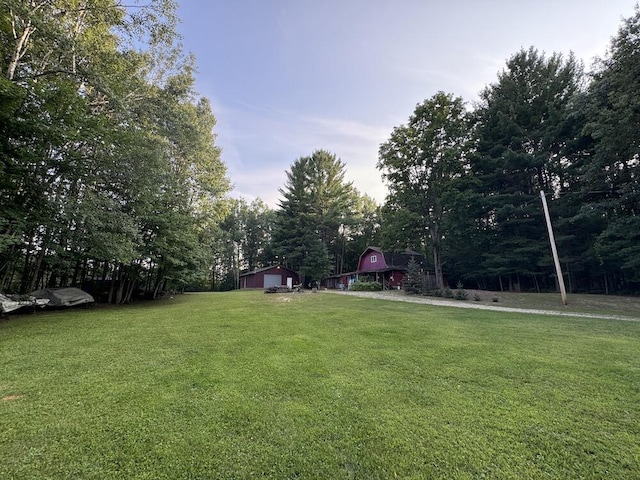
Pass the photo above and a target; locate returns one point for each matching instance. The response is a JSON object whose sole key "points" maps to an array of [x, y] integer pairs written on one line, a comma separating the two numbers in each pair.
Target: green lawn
{"points": [[246, 385]]}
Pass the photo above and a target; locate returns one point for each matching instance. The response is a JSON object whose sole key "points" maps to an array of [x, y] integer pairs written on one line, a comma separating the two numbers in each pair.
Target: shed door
{"points": [[272, 281]]}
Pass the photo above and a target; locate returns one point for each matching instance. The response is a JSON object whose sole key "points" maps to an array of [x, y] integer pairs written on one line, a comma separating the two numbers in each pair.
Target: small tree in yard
{"points": [[412, 283]]}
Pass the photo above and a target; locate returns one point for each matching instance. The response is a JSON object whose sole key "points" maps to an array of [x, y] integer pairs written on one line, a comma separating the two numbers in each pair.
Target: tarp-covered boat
{"points": [[63, 297], [9, 303]]}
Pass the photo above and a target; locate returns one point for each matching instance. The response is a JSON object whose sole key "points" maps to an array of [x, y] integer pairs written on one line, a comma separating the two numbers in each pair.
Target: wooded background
{"points": [[110, 178]]}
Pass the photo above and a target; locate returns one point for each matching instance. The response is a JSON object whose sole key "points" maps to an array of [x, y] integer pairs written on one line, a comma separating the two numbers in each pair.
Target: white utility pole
{"points": [[563, 292]]}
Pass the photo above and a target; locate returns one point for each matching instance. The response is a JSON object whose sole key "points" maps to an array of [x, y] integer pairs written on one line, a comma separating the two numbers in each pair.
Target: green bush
{"points": [[366, 287], [461, 293]]}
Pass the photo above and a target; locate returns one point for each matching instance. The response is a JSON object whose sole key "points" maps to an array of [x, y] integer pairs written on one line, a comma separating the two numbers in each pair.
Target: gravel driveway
{"points": [[399, 296]]}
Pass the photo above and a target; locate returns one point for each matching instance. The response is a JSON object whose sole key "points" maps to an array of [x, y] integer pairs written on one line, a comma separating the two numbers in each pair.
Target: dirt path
{"points": [[397, 296]]}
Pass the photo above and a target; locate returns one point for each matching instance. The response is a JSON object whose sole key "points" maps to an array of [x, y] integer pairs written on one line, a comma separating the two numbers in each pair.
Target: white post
{"points": [[563, 292]]}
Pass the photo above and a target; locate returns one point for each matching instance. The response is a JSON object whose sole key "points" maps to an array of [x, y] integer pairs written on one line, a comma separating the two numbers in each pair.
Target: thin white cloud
{"points": [[288, 78], [349, 129], [356, 144], [279, 138]]}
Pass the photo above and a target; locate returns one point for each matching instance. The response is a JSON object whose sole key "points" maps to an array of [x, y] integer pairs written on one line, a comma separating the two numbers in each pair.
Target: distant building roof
{"points": [[394, 259], [264, 269]]}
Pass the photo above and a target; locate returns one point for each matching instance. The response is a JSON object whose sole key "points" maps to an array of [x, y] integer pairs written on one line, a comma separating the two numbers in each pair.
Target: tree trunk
{"points": [[129, 293], [21, 41], [159, 282], [437, 261], [103, 280], [159, 287], [32, 273], [8, 271], [124, 278], [115, 277], [76, 273], [149, 279], [26, 269], [569, 278]]}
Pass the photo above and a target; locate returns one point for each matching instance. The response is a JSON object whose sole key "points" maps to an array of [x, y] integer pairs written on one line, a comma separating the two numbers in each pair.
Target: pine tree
{"points": [[612, 174], [316, 204], [413, 279], [521, 138]]}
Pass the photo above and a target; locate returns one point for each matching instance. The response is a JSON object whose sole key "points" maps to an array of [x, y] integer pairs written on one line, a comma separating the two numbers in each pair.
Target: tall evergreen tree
{"points": [[612, 174], [316, 200], [522, 134]]}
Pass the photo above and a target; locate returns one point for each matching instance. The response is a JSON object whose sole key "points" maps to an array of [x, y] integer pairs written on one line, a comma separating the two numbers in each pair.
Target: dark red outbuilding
{"points": [[274, 276]]}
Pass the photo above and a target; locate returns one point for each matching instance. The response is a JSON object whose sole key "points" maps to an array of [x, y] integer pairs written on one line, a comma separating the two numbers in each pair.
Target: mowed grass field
{"points": [[316, 386]]}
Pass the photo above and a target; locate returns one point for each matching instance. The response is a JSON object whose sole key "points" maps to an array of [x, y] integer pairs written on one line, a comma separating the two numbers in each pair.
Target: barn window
{"points": [[374, 258]]}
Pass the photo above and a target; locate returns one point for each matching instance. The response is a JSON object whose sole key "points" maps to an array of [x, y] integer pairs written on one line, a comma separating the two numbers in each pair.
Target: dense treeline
{"points": [[109, 175], [110, 178], [465, 181], [542, 126], [320, 227]]}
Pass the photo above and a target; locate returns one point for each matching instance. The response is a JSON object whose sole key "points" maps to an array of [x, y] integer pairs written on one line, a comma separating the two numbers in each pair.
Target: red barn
{"points": [[274, 276], [386, 267]]}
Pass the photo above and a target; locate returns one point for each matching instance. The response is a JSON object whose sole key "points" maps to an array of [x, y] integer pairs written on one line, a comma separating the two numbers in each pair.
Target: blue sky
{"points": [[287, 77]]}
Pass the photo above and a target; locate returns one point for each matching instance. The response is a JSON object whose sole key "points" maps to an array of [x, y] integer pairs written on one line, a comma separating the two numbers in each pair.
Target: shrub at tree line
{"points": [[366, 287]]}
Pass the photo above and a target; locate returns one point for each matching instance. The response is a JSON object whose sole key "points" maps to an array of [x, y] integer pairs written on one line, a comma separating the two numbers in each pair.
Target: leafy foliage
{"points": [[110, 178], [107, 157], [468, 190], [421, 162], [366, 286]]}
